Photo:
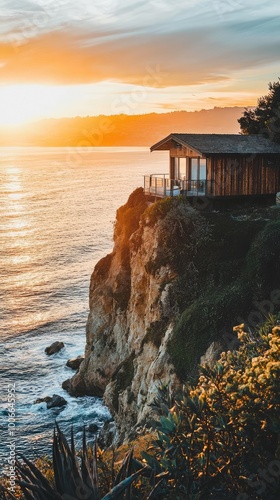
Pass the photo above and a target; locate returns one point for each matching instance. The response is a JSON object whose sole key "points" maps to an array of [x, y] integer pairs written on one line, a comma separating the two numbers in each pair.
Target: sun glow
{"points": [[20, 104]]}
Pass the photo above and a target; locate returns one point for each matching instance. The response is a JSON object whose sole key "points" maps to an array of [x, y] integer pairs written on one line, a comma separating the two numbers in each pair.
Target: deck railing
{"points": [[194, 187], [161, 186]]}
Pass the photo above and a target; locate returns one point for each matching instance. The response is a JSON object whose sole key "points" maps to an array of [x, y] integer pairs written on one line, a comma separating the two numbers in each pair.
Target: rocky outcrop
{"points": [[46, 399], [176, 281], [75, 363], [56, 401], [52, 401], [54, 348]]}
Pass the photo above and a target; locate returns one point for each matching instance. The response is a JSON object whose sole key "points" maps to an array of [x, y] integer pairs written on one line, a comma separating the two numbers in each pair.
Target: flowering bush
{"points": [[220, 438]]}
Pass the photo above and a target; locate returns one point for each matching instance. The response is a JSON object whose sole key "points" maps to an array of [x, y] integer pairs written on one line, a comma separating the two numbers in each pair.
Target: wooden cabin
{"points": [[225, 169]]}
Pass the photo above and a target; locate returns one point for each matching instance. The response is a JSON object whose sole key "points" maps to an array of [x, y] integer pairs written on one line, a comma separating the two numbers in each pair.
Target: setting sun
{"points": [[20, 104]]}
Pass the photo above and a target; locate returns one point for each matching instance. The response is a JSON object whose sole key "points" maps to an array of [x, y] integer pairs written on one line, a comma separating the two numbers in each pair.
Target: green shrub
{"points": [[161, 208], [263, 258], [203, 322], [181, 233], [220, 438]]}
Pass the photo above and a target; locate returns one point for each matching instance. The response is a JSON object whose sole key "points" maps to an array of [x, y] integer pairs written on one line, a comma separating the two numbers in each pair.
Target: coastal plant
{"points": [[264, 118], [73, 479], [221, 437], [161, 208], [182, 232]]}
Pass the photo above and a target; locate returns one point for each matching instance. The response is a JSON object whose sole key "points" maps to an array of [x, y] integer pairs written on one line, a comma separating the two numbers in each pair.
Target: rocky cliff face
{"points": [[130, 320], [159, 300]]}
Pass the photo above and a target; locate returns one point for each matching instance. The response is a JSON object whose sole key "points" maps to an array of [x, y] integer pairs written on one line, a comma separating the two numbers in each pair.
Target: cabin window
{"points": [[194, 169], [202, 169], [198, 169], [174, 167]]}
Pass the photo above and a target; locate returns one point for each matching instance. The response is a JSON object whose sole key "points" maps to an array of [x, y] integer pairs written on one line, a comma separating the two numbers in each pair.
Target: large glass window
{"points": [[194, 169], [202, 169], [198, 169]]}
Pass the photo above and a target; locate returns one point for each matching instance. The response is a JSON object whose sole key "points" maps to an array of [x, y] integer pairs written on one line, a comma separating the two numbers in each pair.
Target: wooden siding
{"points": [[240, 175], [182, 152]]}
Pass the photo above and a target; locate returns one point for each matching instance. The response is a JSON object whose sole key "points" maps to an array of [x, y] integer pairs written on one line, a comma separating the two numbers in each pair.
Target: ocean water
{"points": [[57, 211]]}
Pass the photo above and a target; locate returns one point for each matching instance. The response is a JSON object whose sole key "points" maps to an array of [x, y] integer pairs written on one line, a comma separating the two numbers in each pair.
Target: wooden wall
{"points": [[240, 175], [183, 152]]}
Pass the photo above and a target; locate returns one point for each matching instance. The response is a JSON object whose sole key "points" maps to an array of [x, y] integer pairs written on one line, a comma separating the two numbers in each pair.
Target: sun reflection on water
{"points": [[18, 225], [13, 185], [15, 196], [20, 259]]}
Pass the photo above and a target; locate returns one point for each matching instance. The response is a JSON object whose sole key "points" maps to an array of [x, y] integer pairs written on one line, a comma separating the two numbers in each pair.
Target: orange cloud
{"points": [[68, 55]]}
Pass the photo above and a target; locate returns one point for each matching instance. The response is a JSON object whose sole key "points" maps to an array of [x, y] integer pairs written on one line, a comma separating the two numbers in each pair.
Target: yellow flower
{"points": [[262, 379], [241, 336], [238, 327]]}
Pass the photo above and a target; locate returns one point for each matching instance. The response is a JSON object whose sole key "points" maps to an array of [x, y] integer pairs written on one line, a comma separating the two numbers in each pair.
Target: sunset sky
{"points": [[87, 57]]}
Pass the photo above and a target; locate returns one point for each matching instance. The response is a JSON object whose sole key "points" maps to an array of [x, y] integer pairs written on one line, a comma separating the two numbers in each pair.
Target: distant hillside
{"points": [[121, 130]]}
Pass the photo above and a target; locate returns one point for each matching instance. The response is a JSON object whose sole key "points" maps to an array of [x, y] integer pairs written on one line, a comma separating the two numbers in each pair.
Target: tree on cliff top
{"points": [[265, 118]]}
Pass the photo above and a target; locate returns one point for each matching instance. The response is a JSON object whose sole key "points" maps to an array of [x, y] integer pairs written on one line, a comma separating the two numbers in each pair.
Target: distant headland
{"points": [[121, 130]]}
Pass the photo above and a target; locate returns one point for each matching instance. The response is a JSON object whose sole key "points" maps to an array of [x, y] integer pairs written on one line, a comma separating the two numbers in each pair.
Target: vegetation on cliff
{"points": [[226, 265], [218, 438]]}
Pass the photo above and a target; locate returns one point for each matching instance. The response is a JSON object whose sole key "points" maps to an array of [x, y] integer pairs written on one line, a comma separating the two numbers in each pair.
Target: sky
{"points": [[62, 58]]}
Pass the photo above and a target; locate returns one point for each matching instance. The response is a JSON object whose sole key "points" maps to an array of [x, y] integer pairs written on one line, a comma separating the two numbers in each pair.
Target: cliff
{"points": [[176, 283]]}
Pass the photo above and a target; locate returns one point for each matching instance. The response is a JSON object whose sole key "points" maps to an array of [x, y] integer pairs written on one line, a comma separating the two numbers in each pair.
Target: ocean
{"points": [[57, 212]]}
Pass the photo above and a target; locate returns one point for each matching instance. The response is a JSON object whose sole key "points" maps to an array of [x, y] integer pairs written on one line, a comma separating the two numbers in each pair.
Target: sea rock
{"points": [[92, 428], [74, 363], [46, 399], [53, 348], [56, 401], [66, 385]]}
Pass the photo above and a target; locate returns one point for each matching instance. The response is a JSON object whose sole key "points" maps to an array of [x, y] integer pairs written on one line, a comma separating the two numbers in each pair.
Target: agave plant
{"points": [[73, 480]]}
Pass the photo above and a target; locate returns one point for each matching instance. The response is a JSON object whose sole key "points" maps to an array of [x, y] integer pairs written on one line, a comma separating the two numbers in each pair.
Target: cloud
{"points": [[143, 43]]}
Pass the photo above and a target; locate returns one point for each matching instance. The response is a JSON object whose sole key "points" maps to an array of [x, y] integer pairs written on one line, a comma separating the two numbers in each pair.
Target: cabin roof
{"points": [[221, 143]]}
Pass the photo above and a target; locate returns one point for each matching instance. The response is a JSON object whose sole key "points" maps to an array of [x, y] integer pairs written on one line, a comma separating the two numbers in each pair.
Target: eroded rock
{"points": [[74, 363], [54, 348], [56, 401], [46, 399]]}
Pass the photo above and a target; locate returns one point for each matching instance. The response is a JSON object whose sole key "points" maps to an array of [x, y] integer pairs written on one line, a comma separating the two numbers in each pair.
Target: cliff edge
{"points": [[175, 284]]}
